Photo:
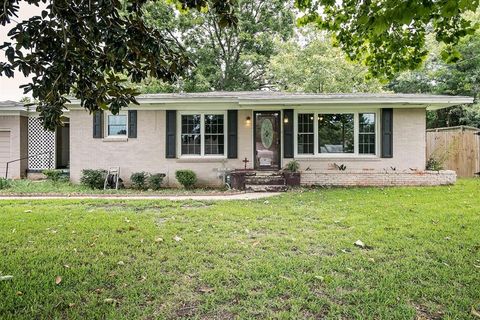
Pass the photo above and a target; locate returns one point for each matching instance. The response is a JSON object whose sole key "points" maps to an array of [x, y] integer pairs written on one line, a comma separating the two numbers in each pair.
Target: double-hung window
{"points": [[334, 134], [202, 134], [117, 125], [305, 136]]}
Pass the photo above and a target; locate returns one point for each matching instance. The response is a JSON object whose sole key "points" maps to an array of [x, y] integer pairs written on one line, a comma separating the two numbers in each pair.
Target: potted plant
{"points": [[291, 174]]}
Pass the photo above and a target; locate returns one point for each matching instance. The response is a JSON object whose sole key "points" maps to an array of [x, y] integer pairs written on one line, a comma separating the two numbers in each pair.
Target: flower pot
{"points": [[292, 179]]}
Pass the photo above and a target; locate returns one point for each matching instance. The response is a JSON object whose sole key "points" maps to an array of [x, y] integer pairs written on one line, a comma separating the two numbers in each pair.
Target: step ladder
{"points": [[112, 178]]}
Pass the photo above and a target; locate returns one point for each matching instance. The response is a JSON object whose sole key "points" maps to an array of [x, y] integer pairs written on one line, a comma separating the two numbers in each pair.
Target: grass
{"points": [[47, 187], [289, 257]]}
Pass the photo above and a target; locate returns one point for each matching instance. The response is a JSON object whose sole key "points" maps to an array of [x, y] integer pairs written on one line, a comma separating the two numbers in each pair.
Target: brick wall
{"points": [[376, 178]]}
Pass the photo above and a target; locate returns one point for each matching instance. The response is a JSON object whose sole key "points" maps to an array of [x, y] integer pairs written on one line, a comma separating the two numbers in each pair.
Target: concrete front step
{"points": [[264, 180], [265, 188]]}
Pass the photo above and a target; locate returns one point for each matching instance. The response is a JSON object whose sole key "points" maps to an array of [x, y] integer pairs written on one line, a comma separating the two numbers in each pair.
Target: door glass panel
{"points": [[267, 140]]}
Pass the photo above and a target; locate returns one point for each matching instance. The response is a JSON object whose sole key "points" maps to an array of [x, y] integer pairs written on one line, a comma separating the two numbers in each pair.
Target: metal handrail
{"points": [[35, 155]]}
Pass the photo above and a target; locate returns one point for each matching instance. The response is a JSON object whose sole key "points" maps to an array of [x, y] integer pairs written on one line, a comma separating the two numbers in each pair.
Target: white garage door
{"points": [[4, 151]]}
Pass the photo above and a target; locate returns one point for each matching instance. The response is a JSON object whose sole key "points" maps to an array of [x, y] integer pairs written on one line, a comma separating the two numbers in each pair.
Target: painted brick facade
{"points": [[17, 127], [366, 178], [147, 151]]}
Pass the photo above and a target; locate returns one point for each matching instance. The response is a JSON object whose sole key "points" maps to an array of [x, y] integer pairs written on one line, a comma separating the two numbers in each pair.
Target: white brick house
{"points": [[378, 139]]}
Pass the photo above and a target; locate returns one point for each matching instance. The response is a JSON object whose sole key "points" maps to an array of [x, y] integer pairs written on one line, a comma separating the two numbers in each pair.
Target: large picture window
{"points": [[202, 134], [333, 133], [336, 133], [117, 125]]}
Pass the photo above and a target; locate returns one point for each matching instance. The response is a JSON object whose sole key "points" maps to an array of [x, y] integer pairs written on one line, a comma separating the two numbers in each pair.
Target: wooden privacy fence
{"points": [[458, 148]]}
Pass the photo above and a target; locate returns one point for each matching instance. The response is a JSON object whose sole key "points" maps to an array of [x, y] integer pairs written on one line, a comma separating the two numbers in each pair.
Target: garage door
{"points": [[4, 151]]}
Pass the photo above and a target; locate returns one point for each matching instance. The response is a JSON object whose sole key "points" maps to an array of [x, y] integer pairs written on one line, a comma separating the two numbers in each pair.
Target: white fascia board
{"points": [[222, 103]]}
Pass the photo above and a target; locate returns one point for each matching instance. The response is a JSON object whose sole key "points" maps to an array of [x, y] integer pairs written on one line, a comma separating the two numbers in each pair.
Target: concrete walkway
{"points": [[203, 197]]}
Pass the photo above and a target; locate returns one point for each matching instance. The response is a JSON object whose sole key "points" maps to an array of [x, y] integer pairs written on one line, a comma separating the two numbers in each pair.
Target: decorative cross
{"points": [[245, 161]]}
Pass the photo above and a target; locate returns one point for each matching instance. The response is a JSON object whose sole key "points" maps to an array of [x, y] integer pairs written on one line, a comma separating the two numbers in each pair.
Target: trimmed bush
{"points": [[139, 180], [155, 181], [4, 183], [53, 175], [187, 178], [93, 179]]}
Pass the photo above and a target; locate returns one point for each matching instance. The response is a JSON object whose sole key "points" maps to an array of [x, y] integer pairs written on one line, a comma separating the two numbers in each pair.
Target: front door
{"points": [[267, 140]]}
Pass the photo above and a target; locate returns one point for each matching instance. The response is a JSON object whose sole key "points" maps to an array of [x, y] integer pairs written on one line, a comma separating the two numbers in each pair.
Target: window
{"points": [[366, 133], [202, 134], [305, 135], [214, 135], [117, 125], [335, 133], [191, 138]]}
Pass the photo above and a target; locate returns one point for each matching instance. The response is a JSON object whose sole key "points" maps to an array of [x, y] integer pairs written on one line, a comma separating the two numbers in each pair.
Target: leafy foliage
{"points": [[309, 63], [223, 58], [389, 36], [139, 180], [293, 166], [80, 47], [94, 179], [434, 164], [53, 174], [187, 178], [438, 77], [155, 181], [4, 183]]}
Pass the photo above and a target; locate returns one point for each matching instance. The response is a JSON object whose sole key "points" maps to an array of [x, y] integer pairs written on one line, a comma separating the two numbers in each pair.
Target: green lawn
{"points": [[288, 257], [47, 187]]}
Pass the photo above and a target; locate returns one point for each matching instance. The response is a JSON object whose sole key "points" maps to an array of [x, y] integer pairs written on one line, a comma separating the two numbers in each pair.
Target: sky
{"points": [[9, 89]]}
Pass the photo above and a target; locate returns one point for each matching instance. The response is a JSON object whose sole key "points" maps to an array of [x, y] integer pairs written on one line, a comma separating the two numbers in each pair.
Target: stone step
{"points": [[265, 188], [267, 174], [265, 180]]}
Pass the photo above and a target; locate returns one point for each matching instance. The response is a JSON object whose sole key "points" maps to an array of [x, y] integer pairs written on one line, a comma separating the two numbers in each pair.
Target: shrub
{"points": [[293, 166], [53, 175], [155, 181], [434, 164], [94, 179], [4, 183], [139, 180], [187, 178]]}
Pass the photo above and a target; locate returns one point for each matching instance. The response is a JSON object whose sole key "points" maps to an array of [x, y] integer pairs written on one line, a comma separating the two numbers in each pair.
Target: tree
{"points": [[79, 48], [438, 77], [225, 58], [389, 35], [310, 63]]}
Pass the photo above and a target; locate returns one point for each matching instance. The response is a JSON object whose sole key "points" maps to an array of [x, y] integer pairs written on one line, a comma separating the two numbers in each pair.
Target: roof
{"points": [[273, 98], [11, 105]]}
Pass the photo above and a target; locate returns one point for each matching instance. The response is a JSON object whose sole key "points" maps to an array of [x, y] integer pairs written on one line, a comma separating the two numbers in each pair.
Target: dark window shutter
{"points": [[288, 133], [232, 134], [132, 123], [98, 124], [171, 125], [387, 133]]}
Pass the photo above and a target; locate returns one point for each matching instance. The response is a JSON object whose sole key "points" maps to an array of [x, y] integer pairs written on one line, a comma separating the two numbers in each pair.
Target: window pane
{"points": [[117, 125], [305, 133], [190, 137], [366, 133], [214, 137], [335, 133]]}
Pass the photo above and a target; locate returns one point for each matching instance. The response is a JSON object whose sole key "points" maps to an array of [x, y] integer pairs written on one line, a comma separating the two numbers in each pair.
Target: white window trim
{"points": [[113, 137], [202, 135], [356, 126]]}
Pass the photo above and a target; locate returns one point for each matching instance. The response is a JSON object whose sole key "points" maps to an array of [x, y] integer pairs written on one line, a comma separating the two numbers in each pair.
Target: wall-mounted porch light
{"points": [[248, 121], [285, 120]]}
